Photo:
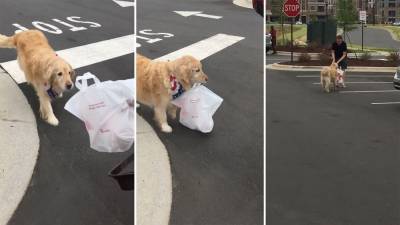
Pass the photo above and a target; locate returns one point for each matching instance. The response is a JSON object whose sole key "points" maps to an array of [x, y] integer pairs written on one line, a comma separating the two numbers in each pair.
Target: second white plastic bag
{"points": [[198, 105]]}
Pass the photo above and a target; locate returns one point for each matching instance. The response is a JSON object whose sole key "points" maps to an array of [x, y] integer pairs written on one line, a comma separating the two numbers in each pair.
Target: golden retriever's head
{"points": [[61, 76], [189, 70]]}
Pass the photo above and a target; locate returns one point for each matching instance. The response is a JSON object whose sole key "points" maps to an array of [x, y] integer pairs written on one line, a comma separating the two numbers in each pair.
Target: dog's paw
{"points": [[166, 128], [52, 120]]}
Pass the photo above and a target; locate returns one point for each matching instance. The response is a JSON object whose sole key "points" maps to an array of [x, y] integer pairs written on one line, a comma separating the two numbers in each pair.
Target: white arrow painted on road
{"points": [[197, 13], [124, 3], [84, 55]]}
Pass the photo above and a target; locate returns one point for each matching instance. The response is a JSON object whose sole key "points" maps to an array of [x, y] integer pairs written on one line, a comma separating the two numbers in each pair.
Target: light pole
{"points": [[326, 10]]}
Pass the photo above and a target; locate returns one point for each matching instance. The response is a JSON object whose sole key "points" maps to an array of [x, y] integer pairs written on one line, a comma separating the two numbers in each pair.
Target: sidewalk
{"points": [[153, 177], [19, 144]]}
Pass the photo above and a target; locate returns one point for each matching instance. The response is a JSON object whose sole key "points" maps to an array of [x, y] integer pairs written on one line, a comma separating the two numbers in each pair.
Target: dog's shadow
{"points": [[177, 128]]}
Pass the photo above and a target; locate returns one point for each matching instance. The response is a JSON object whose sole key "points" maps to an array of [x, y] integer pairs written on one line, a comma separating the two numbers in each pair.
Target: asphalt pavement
{"points": [[332, 158], [70, 184], [217, 178], [373, 37]]}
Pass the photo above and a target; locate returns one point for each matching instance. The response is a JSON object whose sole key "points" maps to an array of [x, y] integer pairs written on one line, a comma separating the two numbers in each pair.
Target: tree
{"points": [[346, 12], [276, 7]]}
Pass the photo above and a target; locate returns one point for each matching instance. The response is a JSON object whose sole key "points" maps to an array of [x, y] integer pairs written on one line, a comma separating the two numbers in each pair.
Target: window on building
{"points": [[392, 4], [321, 9], [392, 13]]}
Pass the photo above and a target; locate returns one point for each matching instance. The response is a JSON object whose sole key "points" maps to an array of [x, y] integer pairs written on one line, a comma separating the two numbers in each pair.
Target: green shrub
{"points": [[324, 57], [304, 57], [365, 56], [393, 57]]}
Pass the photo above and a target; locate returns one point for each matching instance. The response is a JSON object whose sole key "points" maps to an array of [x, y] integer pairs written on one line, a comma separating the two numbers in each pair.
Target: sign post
{"points": [[291, 8], [363, 19]]}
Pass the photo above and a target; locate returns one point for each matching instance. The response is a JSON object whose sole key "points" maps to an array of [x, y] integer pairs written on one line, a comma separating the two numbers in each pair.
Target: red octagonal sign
{"points": [[291, 8]]}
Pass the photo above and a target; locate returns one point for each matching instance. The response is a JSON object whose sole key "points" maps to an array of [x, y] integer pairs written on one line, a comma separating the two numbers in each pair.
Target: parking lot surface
{"points": [[332, 158]]}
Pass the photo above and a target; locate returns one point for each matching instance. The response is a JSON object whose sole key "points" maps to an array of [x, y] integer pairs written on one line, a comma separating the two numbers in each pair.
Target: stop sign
{"points": [[291, 8]]}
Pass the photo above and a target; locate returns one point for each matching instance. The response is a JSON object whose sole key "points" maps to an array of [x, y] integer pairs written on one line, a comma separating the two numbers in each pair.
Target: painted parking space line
{"points": [[347, 76], [84, 55], [374, 91], [204, 48], [385, 103], [362, 82]]}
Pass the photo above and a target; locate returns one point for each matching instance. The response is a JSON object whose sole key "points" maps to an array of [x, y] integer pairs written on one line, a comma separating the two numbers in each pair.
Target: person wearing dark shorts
{"points": [[339, 53], [273, 39]]}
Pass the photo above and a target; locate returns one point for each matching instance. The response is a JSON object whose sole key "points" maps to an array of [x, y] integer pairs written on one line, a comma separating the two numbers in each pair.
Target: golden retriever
{"points": [[49, 74], [328, 77], [157, 83]]}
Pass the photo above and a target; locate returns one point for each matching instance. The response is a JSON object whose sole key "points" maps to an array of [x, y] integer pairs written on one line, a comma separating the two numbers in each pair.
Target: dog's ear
{"points": [[185, 73], [52, 78], [72, 74]]}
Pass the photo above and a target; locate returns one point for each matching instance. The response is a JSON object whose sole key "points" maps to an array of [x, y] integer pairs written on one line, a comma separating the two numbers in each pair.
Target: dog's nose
{"points": [[69, 86]]}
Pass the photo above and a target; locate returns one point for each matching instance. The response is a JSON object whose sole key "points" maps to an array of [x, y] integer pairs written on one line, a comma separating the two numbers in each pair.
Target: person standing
{"points": [[273, 39]]}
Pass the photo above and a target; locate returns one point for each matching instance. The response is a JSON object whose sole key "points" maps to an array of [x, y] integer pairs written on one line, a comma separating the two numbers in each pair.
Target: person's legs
{"points": [[273, 46]]}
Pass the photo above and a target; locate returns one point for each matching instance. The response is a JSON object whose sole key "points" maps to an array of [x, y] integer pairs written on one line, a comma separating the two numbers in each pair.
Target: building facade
{"points": [[317, 9], [378, 11], [387, 11]]}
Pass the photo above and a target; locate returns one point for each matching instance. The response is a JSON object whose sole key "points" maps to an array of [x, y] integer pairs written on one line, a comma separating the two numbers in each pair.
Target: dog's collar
{"points": [[50, 92], [176, 87]]}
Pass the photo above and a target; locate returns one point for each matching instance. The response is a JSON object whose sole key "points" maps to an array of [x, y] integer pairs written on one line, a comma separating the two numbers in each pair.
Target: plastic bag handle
{"points": [[81, 81]]}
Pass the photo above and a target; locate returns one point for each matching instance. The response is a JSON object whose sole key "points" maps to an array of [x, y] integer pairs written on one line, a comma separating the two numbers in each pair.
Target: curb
{"points": [[19, 144], [276, 66], [316, 55], [153, 177], [244, 3]]}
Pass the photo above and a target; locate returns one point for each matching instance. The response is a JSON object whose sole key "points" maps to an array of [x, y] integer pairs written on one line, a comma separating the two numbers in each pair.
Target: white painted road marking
{"points": [[352, 76], [385, 103], [124, 3], [376, 91], [197, 13], [362, 82], [51, 28], [84, 55], [204, 48]]}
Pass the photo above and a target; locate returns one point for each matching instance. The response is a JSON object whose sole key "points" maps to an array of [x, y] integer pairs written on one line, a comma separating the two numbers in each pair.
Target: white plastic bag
{"points": [[198, 105], [107, 109], [339, 77]]}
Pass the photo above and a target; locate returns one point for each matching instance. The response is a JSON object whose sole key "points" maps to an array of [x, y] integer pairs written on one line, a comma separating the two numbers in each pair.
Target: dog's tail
{"points": [[7, 42]]}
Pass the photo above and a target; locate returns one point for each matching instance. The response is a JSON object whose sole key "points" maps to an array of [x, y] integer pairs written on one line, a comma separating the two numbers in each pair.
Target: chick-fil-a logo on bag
{"points": [[97, 105]]}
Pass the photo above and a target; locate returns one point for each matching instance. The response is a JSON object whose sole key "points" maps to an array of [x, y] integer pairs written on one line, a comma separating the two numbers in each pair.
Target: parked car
{"points": [[268, 42], [258, 5], [299, 22], [396, 23], [396, 80]]}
